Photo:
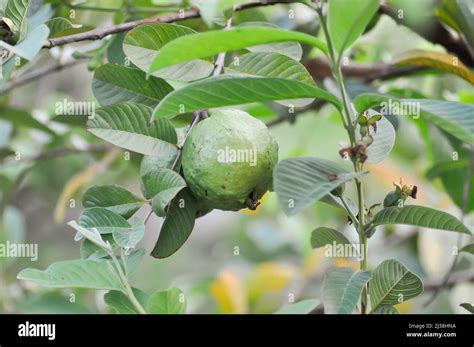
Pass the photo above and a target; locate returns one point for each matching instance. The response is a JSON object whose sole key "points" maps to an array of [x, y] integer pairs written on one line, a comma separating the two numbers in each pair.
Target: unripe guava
{"points": [[228, 160]]}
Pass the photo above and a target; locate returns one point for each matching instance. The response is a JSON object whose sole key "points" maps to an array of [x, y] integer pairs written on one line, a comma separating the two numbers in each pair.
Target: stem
{"points": [[348, 124], [354, 219], [124, 281]]}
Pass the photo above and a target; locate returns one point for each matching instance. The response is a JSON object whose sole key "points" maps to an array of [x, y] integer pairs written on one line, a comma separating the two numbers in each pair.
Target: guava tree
{"points": [[172, 95]]}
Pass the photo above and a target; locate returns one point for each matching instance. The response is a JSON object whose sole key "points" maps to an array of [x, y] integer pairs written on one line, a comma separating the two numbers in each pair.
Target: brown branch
{"points": [[99, 33], [319, 68], [36, 74]]}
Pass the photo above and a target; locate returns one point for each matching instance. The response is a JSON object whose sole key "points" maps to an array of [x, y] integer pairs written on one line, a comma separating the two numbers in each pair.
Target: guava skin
{"points": [[229, 185]]}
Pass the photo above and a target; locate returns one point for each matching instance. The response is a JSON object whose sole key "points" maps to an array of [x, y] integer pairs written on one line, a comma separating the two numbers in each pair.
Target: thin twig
{"points": [[38, 73], [99, 33], [55, 153]]}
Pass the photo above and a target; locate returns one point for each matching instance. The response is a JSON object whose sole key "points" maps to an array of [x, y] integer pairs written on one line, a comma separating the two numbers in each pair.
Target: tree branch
{"points": [[36, 74], [99, 33], [319, 68]]}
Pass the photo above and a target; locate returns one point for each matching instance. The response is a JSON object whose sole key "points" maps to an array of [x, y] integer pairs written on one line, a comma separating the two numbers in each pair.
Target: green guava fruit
{"points": [[228, 160]]}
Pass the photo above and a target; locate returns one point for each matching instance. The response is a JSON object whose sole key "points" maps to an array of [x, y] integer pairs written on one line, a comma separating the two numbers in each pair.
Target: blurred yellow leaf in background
{"points": [[229, 292], [269, 277]]}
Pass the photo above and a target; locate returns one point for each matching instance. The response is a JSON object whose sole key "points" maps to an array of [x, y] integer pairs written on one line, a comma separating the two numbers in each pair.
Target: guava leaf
{"points": [[291, 49], [453, 117], [177, 226], [392, 283], [275, 65], [114, 84], [347, 20], [128, 238], [436, 60], [121, 303], [16, 11], [102, 220], [383, 142], [385, 309], [300, 182], [113, 197], [82, 273], [323, 236], [201, 45], [419, 216], [161, 186], [142, 43], [227, 90], [170, 301], [342, 288], [128, 125]]}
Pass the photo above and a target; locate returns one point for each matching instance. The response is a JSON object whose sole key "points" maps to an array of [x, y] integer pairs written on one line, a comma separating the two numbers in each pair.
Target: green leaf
{"points": [[171, 301], [58, 25], [419, 216], [128, 238], [436, 60], [103, 220], [457, 15], [323, 236], [347, 20], [300, 182], [16, 11], [385, 309], [92, 235], [383, 142], [128, 125], [273, 65], [201, 45], [291, 49], [114, 84], [453, 117], [342, 288], [162, 185], [121, 303], [113, 197], [31, 45], [75, 274], [22, 118], [177, 226], [142, 43], [467, 306], [301, 307], [134, 259], [468, 249], [452, 172], [228, 90], [91, 251], [392, 283]]}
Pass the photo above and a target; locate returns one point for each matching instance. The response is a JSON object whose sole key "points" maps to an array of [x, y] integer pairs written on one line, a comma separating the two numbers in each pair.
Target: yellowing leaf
{"points": [[79, 180], [312, 262], [436, 60], [405, 307], [352, 263], [229, 293], [269, 278]]}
